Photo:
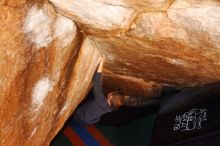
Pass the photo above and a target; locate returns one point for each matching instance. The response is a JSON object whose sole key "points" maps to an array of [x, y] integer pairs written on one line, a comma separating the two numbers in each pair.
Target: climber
{"points": [[91, 111]]}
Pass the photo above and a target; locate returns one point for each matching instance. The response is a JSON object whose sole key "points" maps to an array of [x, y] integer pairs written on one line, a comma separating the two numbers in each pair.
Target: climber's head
{"points": [[115, 99]]}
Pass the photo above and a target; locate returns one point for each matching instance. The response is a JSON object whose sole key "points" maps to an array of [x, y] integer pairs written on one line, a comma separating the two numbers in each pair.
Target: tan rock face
{"points": [[172, 42], [95, 15], [141, 5], [43, 74], [48, 56]]}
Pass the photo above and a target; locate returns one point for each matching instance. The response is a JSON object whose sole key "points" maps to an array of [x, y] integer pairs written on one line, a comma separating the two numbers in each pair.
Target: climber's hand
{"points": [[101, 63]]}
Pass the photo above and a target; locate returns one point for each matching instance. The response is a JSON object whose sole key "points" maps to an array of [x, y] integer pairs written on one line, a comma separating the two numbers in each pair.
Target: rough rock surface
{"points": [[49, 53], [173, 42], [46, 70]]}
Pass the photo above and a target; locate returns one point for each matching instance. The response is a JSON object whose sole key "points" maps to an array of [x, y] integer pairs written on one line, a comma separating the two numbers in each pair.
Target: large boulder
{"points": [[46, 70], [50, 51], [172, 42]]}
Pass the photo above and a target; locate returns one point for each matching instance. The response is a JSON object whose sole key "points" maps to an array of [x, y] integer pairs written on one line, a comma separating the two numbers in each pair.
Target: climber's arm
{"points": [[97, 83]]}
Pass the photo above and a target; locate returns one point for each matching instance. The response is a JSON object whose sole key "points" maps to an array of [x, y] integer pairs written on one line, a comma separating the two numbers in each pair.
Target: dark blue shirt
{"points": [[91, 111]]}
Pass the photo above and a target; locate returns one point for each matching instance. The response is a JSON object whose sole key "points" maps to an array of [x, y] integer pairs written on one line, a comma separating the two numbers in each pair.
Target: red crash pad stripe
{"points": [[73, 137], [103, 141]]}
